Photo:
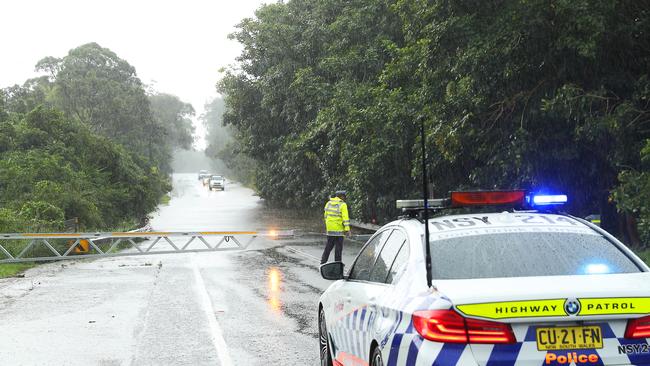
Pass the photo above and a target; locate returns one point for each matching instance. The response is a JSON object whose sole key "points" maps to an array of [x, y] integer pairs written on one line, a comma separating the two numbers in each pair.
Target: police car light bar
{"points": [[515, 198], [487, 198], [416, 204], [545, 200]]}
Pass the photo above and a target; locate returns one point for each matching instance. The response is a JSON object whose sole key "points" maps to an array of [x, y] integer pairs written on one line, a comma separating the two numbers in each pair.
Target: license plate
{"points": [[569, 338]]}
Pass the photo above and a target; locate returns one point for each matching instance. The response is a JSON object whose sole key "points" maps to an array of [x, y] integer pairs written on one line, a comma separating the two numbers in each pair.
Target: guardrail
{"points": [[107, 244], [364, 225]]}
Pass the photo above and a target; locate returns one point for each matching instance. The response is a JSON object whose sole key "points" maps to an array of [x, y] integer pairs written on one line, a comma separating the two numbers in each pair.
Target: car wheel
{"points": [[375, 359], [325, 354]]}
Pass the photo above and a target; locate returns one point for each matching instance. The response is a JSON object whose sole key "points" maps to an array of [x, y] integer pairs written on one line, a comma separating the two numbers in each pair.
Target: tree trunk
{"points": [[632, 230]]}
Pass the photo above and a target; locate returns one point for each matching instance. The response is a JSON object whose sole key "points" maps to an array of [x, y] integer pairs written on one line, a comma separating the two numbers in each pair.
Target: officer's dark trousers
{"points": [[331, 242]]}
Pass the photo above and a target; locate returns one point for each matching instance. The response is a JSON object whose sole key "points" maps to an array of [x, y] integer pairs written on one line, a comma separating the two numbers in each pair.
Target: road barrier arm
{"points": [[43, 243]]}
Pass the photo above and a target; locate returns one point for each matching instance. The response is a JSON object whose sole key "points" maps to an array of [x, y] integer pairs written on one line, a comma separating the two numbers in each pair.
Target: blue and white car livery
{"points": [[509, 288]]}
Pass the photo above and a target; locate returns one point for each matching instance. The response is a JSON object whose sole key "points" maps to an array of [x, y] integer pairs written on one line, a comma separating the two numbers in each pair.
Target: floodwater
{"points": [[250, 307]]}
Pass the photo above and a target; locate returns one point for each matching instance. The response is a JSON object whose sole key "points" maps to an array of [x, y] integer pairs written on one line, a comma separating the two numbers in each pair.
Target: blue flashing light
{"points": [[596, 268], [549, 199]]}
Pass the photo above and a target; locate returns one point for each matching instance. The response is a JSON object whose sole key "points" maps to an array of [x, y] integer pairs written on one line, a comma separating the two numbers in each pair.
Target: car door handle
{"points": [[372, 299], [348, 299]]}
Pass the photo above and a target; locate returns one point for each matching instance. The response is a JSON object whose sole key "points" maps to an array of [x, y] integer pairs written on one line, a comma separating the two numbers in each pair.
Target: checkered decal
{"points": [[401, 345], [525, 351]]}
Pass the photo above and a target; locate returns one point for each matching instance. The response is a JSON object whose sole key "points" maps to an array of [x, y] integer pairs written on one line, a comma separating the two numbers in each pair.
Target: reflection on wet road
{"points": [[266, 295], [274, 289]]}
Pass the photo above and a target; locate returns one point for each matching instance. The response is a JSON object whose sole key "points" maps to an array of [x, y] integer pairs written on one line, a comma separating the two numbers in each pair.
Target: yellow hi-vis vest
{"points": [[337, 220]]}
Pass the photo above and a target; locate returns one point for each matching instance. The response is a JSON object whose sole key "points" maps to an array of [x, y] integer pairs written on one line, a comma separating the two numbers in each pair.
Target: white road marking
{"points": [[217, 335]]}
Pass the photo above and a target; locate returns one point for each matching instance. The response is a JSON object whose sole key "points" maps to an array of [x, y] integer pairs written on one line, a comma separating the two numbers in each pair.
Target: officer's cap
{"points": [[341, 193]]}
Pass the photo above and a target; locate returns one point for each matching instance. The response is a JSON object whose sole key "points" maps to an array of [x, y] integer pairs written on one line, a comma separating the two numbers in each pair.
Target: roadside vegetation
{"points": [[164, 200], [645, 255], [14, 269], [534, 94], [85, 141]]}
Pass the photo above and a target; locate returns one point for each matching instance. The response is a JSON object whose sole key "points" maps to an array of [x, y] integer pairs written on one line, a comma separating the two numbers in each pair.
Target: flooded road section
{"points": [[252, 307]]}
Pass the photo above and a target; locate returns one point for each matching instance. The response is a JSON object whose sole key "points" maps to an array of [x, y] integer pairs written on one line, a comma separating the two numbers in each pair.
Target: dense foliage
{"points": [[86, 141], [175, 117], [633, 194], [52, 168], [532, 94]]}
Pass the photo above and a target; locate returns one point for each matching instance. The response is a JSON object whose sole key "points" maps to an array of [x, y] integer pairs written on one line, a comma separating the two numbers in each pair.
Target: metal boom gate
{"points": [[107, 244]]}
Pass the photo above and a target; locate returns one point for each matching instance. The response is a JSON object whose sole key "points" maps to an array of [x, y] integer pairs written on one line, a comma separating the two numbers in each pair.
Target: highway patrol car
{"points": [[509, 288]]}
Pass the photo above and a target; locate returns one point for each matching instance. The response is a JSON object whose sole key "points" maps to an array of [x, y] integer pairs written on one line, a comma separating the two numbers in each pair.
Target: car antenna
{"points": [[425, 193]]}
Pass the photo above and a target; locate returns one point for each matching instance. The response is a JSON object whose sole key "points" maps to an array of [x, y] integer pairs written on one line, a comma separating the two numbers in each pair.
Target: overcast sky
{"points": [[176, 46]]}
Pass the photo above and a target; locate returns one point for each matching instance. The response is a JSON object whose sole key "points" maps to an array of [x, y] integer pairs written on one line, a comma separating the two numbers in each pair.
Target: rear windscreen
{"points": [[527, 254]]}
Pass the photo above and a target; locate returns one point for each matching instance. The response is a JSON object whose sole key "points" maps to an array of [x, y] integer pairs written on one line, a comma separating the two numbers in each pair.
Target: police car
{"points": [[523, 286]]}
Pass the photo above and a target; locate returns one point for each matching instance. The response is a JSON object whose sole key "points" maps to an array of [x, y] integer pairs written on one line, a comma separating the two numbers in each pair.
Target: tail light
{"points": [[482, 331], [450, 327], [638, 328], [440, 326]]}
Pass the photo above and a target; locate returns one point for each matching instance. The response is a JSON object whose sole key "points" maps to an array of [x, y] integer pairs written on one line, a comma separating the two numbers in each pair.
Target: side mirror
{"points": [[332, 270]]}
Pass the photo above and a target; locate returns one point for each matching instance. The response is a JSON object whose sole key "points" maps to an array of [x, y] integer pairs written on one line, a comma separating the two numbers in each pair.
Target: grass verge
{"points": [[13, 269]]}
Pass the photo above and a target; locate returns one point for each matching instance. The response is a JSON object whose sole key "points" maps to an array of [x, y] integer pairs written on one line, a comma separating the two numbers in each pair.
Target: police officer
{"points": [[337, 223]]}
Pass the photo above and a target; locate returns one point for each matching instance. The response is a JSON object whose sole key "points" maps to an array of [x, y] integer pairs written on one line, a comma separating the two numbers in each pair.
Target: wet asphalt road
{"points": [[251, 307]]}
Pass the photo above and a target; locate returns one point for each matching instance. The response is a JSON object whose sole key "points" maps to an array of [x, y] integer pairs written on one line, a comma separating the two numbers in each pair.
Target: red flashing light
{"points": [[487, 198], [448, 326], [638, 328]]}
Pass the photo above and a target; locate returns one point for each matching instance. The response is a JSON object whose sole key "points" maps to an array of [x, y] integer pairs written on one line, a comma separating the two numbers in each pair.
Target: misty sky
{"points": [[176, 46]]}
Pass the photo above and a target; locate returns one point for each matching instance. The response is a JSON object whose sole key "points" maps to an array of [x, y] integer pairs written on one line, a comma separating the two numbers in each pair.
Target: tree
{"points": [[96, 87], [52, 168], [307, 67], [218, 135], [24, 98], [532, 94], [224, 145], [175, 116], [539, 95], [633, 197]]}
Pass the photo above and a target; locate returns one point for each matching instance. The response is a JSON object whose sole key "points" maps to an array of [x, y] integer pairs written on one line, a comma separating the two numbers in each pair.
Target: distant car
{"points": [[532, 287], [217, 182], [203, 174]]}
